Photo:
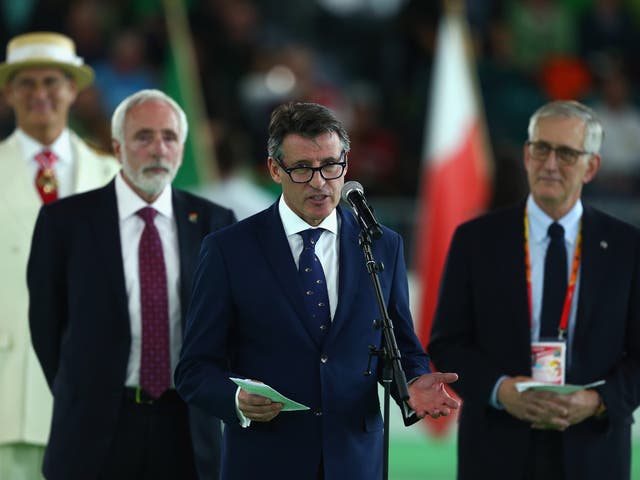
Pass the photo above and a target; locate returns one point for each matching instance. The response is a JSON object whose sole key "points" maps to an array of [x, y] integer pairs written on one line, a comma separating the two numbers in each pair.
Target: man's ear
{"points": [[592, 168], [274, 170], [117, 149]]}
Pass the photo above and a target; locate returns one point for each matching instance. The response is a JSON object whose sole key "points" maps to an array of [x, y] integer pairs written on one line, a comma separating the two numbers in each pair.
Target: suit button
{"points": [[324, 359], [318, 413]]}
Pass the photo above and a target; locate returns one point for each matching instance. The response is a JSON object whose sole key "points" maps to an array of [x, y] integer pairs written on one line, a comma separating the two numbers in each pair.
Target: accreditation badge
{"points": [[548, 362]]}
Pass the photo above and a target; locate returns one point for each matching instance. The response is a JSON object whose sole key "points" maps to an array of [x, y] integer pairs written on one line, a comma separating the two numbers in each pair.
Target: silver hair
{"points": [[571, 109], [120, 113]]}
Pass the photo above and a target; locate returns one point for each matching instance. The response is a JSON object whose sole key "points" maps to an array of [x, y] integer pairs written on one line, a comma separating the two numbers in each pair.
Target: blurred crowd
{"points": [[370, 61]]}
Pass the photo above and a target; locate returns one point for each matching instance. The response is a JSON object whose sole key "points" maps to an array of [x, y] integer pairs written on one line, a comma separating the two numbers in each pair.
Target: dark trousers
{"points": [[152, 441], [545, 460]]}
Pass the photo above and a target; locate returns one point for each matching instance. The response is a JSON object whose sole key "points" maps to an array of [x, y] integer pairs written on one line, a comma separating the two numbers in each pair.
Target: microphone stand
{"points": [[388, 351]]}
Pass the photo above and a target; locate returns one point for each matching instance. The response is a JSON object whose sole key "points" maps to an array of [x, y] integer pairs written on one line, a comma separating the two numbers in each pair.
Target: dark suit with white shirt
{"points": [[247, 319], [80, 325], [482, 331]]}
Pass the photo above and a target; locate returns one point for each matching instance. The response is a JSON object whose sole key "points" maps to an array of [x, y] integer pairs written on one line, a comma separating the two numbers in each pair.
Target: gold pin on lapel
{"points": [[193, 217]]}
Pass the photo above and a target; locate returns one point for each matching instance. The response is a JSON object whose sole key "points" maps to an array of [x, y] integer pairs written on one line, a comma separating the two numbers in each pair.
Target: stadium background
{"points": [[230, 61]]}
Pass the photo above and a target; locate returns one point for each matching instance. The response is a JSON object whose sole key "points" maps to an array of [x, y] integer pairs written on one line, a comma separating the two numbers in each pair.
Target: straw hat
{"points": [[45, 49]]}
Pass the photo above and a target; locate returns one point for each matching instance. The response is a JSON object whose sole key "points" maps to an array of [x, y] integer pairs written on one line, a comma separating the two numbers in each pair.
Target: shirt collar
{"points": [[539, 221], [129, 202], [293, 224], [61, 147]]}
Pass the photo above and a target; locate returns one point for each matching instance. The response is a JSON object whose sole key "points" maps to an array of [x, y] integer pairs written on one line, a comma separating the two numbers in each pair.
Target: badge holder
{"points": [[549, 360]]}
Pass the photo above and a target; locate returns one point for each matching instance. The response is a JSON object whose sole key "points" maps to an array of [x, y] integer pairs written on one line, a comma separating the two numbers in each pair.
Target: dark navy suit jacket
{"points": [[481, 331], [247, 320], [79, 323]]}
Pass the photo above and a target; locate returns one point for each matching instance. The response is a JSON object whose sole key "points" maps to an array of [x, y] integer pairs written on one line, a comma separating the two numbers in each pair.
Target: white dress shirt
{"points": [[539, 240], [63, 167], [131, 226]]}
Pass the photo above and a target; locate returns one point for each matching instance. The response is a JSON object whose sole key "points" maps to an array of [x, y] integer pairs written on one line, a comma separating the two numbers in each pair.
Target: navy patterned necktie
{"points": [[555, 282], [155, 363], [314, 285]]}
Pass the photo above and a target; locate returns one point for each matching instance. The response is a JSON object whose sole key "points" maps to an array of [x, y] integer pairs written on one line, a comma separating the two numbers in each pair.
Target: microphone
{"points": [[353, 194]]}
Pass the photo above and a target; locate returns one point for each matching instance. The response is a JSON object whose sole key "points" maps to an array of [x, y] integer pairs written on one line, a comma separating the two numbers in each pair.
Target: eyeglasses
{"points": [[328, 171], [567, 156]]}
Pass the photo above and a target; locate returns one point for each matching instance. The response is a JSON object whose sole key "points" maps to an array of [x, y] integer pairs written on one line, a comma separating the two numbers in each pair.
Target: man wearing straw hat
{"points": [[42, 160]]}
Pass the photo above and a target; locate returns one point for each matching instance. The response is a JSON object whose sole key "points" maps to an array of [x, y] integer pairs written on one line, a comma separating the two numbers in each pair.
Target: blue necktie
{"points": [[314, 285], [555, 282]]}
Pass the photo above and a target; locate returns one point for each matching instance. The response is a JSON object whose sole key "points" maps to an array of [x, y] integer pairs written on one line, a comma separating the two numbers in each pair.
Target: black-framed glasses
{"points": [[328, 171], [540, 151]]}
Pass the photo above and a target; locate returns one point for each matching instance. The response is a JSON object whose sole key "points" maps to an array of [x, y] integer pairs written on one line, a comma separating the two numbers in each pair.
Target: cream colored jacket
{"points": [[25, 399]]}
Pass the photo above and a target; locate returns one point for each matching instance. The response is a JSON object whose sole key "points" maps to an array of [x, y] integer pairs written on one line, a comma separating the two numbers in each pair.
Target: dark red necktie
{"points": [[46, 182], [155, 365]]}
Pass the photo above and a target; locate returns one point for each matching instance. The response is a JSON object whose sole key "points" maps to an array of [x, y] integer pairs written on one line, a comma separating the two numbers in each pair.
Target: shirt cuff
{"points": [[244, 421], [406, 409], [493, 401]]}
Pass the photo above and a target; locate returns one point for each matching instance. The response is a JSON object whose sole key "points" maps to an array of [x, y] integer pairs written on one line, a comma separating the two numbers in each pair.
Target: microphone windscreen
{"points": [[350, 186]]}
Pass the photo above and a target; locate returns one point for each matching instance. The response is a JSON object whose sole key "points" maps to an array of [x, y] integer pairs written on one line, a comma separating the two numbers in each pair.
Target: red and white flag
{"points": [[456, 176]]}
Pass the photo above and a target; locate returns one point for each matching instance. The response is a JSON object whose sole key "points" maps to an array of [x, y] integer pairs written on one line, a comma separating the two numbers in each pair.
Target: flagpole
{"points": [[182, 49]]}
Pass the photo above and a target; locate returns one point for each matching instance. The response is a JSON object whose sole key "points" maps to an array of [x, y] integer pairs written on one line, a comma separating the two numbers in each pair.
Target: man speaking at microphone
{"points": [[284, 298]]}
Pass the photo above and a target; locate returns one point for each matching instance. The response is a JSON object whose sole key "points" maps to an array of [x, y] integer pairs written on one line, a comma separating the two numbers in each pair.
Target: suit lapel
{"points": [[591, 263], [18, 195], [511, 264], [350, 272], [272, 240], [188, 226], [106, 227]]}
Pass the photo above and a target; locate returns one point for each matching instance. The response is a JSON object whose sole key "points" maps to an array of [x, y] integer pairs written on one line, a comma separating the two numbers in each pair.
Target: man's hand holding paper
{"points": [[548, 407], [574, 408], [258, 408]]}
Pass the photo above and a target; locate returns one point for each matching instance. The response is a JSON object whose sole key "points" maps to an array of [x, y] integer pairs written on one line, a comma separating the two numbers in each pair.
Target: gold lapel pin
{"points": [[193, 217]]}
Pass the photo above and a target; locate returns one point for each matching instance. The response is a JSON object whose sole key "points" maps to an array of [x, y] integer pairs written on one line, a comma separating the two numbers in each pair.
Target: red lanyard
{"points": [[564, 318]]}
